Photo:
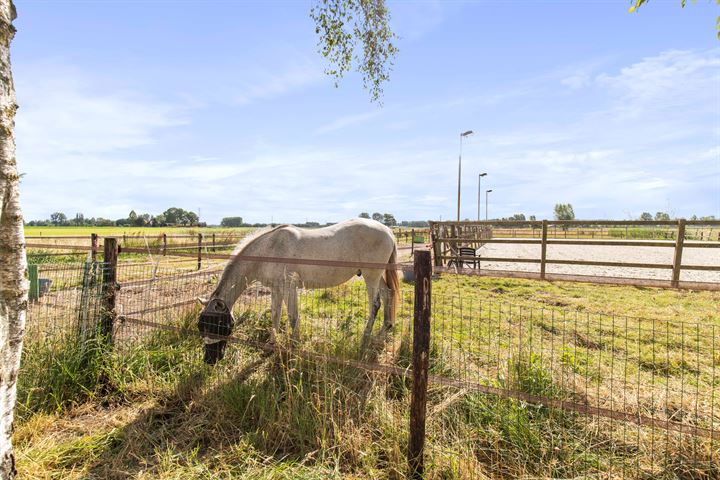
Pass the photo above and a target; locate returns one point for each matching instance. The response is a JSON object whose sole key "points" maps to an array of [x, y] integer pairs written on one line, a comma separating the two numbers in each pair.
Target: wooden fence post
{"points": [[109, 289], [93, 247], [677, 261], [164, 244], [412, 242], [199, 251], [420, 360], [543, 249], [213, 243]]}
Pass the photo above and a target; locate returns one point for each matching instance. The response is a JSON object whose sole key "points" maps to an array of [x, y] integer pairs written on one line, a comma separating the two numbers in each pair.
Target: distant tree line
{"points": [[384, 218], [664, 216], [170, 217]]}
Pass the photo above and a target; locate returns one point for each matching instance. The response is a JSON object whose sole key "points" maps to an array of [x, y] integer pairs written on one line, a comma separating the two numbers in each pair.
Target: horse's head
{"points": [[215, 322]]}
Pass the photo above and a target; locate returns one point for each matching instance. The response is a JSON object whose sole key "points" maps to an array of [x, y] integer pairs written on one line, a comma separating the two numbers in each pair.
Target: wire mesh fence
{"points": [[514, 391], [552, 393]]}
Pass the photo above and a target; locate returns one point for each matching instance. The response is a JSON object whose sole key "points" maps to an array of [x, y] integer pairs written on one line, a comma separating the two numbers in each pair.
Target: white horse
{"points": [[357, 240]]}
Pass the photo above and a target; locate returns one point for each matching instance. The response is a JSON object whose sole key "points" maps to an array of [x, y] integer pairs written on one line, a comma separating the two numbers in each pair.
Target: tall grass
{"points": [[152, 409]]}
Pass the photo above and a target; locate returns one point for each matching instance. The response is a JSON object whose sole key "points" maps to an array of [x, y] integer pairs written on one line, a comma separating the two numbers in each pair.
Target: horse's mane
{"points": [[254, 236]]}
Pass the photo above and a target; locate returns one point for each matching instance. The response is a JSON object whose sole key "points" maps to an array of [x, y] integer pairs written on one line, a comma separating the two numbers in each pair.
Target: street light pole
{"points": [[462, 135], [479, 190], [486, 203]]}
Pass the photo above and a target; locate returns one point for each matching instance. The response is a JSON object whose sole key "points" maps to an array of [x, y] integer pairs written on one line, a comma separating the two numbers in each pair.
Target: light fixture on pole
{"points": [[479, 190], [462, 135], [486, 203]]}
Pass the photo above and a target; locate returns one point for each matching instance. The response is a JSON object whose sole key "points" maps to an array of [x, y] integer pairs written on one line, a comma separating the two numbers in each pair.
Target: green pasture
{"points": [[149, 408]]}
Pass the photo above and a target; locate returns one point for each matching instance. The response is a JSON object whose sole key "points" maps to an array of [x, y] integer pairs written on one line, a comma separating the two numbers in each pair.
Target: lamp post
{"points": [[486, 203], [462, 135], [479, 190]]}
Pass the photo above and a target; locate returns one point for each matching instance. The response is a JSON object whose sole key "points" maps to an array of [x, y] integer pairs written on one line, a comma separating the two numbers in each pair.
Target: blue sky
{"points": [[223, 106]]}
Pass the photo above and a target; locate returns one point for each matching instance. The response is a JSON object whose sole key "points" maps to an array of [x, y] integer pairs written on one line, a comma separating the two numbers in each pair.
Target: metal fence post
{"points": [[420, 360], [109, 288], [199, 251], [677, 261], [543, 249], [34, 292]]}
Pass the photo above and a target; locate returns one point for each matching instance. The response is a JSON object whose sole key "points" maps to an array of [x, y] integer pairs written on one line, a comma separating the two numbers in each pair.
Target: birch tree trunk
{"points": [[13, 264]]}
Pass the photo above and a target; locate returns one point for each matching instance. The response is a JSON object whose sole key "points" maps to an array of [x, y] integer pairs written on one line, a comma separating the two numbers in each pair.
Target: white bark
{"points": [[13, 264]]}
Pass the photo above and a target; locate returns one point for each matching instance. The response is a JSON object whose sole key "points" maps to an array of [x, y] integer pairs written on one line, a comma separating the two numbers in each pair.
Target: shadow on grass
{"points": [[280, 416]]}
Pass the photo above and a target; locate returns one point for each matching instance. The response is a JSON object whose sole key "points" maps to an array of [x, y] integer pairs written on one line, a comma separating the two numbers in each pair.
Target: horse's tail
{"points": [[393, 283]]}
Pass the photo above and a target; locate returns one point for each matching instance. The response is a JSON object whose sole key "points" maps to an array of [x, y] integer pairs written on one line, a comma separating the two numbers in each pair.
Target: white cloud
{"points": [[75, 132], [266, 84], [577, 81], [62, 112], [347, 121], [673, 78]]}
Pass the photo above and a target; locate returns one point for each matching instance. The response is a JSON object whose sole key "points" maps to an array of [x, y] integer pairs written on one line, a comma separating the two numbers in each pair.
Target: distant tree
{"points": [[310, 225], [79, 219], [518, 217], [564, 211], [231, 222], [132, 216], [364, 215], [662, 216], [389, 220], [378, 217], [533, 218], [158, 220], [646, 216], [191, 218], [173, 215], [142, 220], [58, 218]]}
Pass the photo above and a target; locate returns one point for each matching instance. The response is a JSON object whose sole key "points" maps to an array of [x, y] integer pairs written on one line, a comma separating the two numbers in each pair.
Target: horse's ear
{"points": [[203, 301]]}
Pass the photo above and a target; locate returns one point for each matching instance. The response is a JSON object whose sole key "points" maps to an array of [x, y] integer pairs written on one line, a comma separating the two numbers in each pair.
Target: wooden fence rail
{"points": [[448, 237]]}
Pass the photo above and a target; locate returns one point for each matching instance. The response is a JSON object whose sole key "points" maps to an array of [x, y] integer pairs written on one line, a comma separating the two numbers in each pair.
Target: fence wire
{"points": [[515, 391]]}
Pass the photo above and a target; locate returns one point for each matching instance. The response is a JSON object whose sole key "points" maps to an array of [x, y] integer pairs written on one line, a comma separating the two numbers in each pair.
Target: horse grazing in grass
{"points": [[357, 240]]}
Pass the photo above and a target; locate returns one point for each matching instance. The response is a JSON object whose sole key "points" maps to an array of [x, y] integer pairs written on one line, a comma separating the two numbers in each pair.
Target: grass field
{"points": [[155, 411]]}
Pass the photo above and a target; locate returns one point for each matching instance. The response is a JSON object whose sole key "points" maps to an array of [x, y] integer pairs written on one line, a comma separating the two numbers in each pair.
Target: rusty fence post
{"points": [[543, 249], [420, 361], [93, 247], [199, 251], [109, 289], [677, 260]]}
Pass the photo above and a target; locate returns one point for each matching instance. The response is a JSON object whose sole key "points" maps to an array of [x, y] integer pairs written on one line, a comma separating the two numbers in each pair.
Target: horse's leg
{"points": [[372, 282], [293, 314], [276, 301], [385, 295]]}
